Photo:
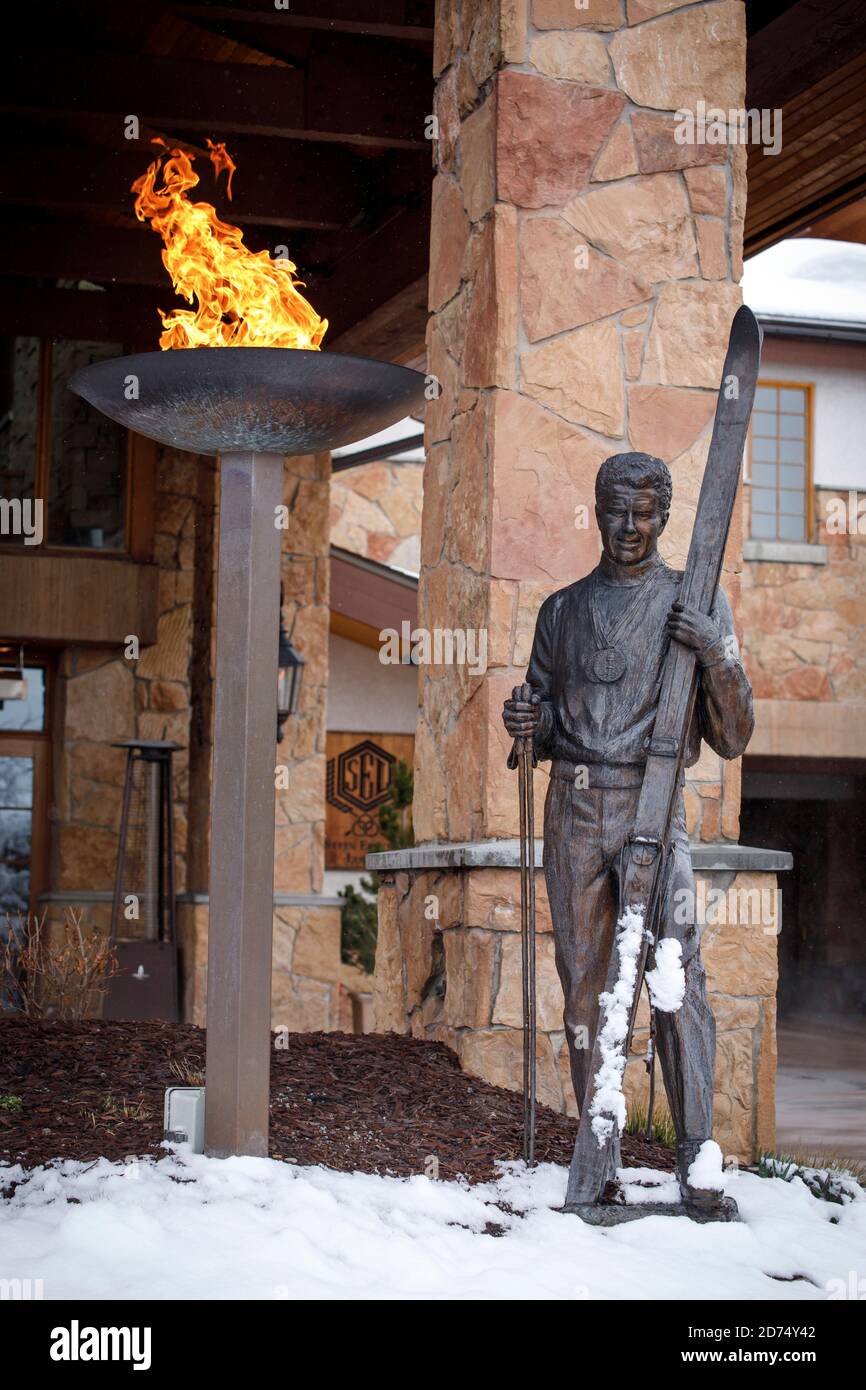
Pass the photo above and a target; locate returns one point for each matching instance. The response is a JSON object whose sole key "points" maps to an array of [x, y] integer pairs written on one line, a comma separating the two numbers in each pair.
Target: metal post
{"points": [[522, 756], [530, 1021], [121, 846], [242, 808], [151, 788]]}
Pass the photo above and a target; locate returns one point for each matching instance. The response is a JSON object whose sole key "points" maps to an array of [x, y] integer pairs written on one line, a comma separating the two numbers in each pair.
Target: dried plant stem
{"points": [[59, 974]]}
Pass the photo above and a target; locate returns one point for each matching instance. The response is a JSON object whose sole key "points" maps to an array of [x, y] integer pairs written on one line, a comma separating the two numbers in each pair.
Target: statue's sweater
{"points": [[586, 720]]}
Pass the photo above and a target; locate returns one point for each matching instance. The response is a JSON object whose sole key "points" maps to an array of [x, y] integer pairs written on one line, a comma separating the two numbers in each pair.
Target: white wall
{"points": [[366, 697], [839, 428]]}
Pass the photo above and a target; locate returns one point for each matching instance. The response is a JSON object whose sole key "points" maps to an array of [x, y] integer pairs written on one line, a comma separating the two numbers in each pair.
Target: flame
{"points": [[244, 298]]}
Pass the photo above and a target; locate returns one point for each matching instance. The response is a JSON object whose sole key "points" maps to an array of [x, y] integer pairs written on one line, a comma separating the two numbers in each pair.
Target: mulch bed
{"points": [[376, 1103]]}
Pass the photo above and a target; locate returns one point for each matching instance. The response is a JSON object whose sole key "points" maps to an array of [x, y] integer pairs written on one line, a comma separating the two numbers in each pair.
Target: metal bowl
{"points": [[248, 399]]}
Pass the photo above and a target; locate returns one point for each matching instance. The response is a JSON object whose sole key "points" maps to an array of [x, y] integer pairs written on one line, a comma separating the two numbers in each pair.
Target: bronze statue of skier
{"points": [[595, 672]]}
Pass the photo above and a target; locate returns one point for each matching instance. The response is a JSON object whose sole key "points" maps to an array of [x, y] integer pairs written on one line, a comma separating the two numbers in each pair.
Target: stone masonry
{"points": [[455, 977], [805, 624], [167, 693], [583, 276], [376, 512]]}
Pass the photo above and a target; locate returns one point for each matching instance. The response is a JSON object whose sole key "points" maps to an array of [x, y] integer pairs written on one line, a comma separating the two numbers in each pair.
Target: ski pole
{"points": [[522, 757]]}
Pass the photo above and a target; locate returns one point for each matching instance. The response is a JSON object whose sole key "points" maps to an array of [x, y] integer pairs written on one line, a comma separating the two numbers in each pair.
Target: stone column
{"points": [[583, 275], [307, 968], [584, 271]]}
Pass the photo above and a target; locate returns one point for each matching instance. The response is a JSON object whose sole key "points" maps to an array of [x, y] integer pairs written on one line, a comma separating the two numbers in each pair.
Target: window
{"points": [[16, 833], [780, 462], [25, 715], [57, 448], [25, 747]]}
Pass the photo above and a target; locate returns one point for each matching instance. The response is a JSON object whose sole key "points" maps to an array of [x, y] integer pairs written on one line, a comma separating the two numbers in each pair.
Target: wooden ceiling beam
{"points": [[795, 222], [380, 266], [123, 314], [806, 43], [66, 250], [339, 97], [335, 16], [823, 159], [394, 331], [318, 187]]}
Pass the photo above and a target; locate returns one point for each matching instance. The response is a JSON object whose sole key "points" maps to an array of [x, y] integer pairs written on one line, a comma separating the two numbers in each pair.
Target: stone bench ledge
{"points": [[505, 854]]}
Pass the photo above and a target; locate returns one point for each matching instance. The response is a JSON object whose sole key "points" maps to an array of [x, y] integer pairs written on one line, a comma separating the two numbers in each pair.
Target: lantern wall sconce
{"points": [[291, 674]]}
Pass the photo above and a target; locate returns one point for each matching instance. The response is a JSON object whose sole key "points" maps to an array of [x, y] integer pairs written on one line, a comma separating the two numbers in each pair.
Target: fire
{"points": [[244, 298]]}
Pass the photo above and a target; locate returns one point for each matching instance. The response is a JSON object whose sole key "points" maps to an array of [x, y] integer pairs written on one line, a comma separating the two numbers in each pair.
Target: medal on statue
{"points": [[609, 664]]}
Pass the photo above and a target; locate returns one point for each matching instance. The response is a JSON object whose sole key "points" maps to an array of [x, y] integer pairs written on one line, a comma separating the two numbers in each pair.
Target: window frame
{"points": [[140, 481], [37, 744], [808, 389]]}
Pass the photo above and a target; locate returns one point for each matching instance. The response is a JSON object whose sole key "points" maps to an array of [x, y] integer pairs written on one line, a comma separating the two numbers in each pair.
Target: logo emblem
{"points": [[359, 779]]}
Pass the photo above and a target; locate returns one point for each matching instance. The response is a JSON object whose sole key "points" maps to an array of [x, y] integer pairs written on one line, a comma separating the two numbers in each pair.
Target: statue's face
{"points": [[630, 520]]}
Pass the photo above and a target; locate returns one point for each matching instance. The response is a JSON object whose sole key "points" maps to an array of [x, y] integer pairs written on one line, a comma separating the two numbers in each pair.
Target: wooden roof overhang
{"points": [[808, 59], [322, 105]]}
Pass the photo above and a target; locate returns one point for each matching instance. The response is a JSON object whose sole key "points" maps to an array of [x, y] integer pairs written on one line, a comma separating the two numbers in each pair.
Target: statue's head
{"points": [[632, 504]]}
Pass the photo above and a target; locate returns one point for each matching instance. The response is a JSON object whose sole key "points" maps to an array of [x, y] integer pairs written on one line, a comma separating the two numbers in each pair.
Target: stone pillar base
{"points": [[448, 969], [312, 990], [311, 987]]}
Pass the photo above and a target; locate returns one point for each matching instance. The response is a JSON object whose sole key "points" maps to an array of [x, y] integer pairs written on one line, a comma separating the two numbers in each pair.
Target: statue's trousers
{"points": [[584, 832]]}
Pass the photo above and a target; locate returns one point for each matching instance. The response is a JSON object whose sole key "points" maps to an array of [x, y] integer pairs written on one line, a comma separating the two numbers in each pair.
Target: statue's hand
{"points": [[691, 627], [521, 717]]}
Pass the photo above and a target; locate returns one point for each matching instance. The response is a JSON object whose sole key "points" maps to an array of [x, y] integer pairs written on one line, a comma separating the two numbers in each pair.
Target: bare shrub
{"points": [[59, 972]]}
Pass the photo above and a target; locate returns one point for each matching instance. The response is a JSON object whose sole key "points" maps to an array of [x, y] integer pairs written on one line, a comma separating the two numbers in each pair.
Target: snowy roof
{"points": [[805, 279], [407, 428]]}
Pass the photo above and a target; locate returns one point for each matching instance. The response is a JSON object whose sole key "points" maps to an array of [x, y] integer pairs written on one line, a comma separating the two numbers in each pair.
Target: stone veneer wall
{"points": [[583, 276], [376, 512], [104, 697], [456, 978], [805, 625], [167, 693], [307, 969]]}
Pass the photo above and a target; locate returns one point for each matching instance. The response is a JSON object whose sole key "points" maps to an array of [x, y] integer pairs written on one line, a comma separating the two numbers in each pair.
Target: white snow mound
{"points": [[667, 980], [607, 1106], [705, 1170]]}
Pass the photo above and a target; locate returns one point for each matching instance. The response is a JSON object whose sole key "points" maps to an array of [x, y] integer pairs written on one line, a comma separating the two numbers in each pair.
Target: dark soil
{"points": [[376, 1103]]}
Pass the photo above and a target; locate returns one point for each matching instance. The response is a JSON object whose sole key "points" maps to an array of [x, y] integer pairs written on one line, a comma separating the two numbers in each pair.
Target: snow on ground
{"points": [[248, 1228], [642, 1185]]}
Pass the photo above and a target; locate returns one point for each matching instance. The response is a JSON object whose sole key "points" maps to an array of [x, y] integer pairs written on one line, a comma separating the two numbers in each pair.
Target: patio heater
{"points": [[251, 406]]}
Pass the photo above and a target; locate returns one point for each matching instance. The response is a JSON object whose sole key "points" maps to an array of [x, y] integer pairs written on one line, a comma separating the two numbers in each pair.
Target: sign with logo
{"points": [[358, 781]]}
